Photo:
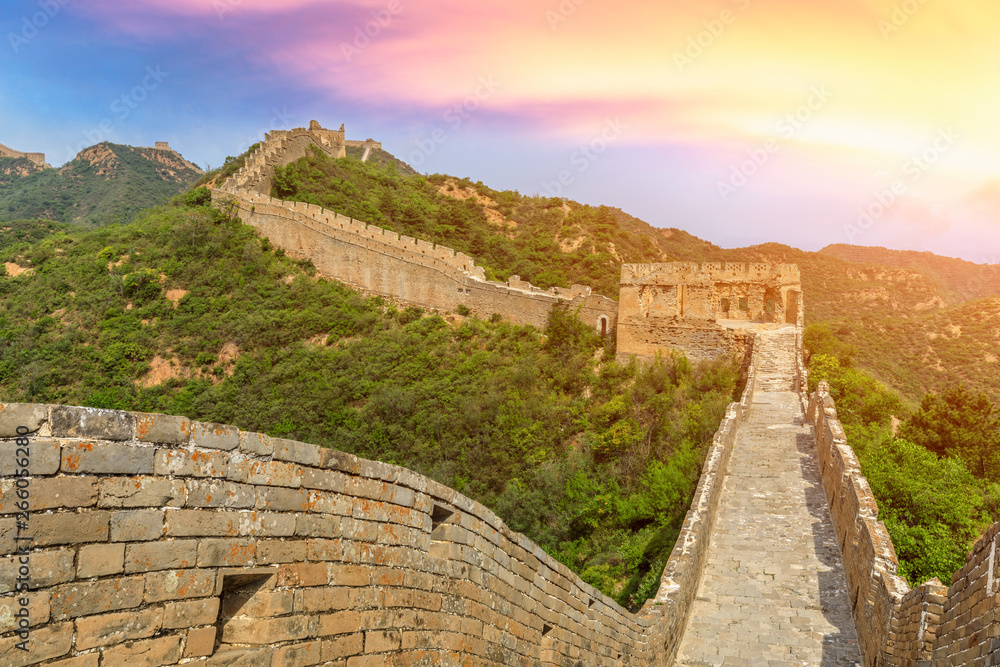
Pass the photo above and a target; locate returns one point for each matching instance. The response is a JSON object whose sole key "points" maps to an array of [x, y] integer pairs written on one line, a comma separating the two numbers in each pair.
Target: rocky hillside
{"points": [[106, 183]]}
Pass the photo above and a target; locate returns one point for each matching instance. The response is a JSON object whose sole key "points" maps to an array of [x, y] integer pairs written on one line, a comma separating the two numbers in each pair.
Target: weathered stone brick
{"points": [[178, 585], [346, 574], [219, 493], [70, 527], [166, 555], [247, 630], [191, 613], [29, 415], [297, 452], [262, 604], [48, 568], [38, 610], [189, 523], [267, 524], [327, 480], [50, 641], [282, 500], [306, 653], [136, 525], [337, 648], [239, 468], [302, 574], [309, 525], [141, 492], [113, 629], [274, 473], [44, 456], [158, 428], [258, 656], [83, 598], [339, 623], [75, 422], [86, 660], [190, 463], [256, 443], [279, 551], [215, 436], [336, 460], [106, 458], [200, 641], [98, 560], [382, 641], [8, 533], [160, 651], [321, 598], [228, 553], [51, 493]]}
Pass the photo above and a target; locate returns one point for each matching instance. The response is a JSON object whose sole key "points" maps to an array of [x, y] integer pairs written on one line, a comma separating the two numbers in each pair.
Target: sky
{"points": [[806, 122]]}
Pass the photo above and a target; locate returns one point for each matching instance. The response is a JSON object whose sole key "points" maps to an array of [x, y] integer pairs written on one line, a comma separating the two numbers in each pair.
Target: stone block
{"points": [[164, 555], [107, 458], [136, 525], [141, 492], [191, 613], [114, 629], [274, 473], [267, 524], [326, 480], [307, 653], [38, 610], [76, 422], [48, 568], [302, 574], [70, 527], [51, 641], [228, 553], [98, 560], [178, 585], [342, 461], [86, 660], [338, 648], [215, 436], [191, 523], [248, 630], [160, 651], [200, 641], [282, 499], [191, 463], [219, 493], [84, 598], [50, 493], [256, 444], [297, 452], [28, 415], [44, 456], [280, 551], [166, 429]]}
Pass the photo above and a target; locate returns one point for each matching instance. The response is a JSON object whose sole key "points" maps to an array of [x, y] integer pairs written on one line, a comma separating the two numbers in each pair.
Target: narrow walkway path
{"points": [[773, 592]]}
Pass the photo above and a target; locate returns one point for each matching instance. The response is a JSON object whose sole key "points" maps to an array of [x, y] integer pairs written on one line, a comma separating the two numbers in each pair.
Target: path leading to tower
{"points": [[773, 591]]}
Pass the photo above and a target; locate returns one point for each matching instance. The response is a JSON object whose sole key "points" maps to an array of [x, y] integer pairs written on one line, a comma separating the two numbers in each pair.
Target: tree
{"points": [[960, 424]]}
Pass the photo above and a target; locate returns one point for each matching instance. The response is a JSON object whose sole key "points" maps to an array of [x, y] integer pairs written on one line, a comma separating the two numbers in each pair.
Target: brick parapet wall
{"points": [[158, 540], [36, 158], [379, 261], [898, 626]]}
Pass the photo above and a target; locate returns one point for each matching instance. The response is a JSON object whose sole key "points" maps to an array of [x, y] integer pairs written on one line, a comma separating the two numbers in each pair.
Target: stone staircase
{"points": [[777, 361]]}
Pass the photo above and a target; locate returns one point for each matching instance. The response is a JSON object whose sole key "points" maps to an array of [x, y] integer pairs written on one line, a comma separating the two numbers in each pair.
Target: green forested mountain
{"points": [[106, 183]]}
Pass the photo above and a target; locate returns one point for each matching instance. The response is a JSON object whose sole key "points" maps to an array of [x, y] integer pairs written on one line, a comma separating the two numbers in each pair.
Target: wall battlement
{"points": [[373, 259], [36, 158], [158, 540]]}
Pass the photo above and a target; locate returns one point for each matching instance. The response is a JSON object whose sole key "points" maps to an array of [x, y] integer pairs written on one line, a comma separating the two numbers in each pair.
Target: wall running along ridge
{"points": [[158, 541], [37, 158], [375, 260], [925, 626]]}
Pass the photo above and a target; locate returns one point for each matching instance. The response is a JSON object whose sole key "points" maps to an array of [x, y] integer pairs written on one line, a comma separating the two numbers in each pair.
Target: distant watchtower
{"points": [[162, 145]]}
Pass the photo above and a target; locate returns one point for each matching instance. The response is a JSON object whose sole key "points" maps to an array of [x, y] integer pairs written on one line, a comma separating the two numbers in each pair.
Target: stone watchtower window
{"points": [[724, 305], [769, 305], [744, 304]]}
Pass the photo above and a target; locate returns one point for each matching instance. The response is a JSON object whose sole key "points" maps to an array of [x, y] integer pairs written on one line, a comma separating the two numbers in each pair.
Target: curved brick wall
{"points": [[930, 624], [375, 260], [159, 541]]}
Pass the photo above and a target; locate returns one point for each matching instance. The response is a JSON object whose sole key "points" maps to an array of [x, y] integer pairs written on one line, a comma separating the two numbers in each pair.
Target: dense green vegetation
{"points": [[384, 195], [107, 183], [27, 231], [593, 460], [937, 481]]}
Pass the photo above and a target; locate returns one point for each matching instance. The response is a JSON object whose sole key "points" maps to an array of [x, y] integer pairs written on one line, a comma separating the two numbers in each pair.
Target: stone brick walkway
{"points": [[773, 592]]}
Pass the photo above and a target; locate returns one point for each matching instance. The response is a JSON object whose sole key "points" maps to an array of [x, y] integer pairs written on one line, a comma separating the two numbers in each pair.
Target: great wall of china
{"points": [[156, 540], [36, 158]]}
